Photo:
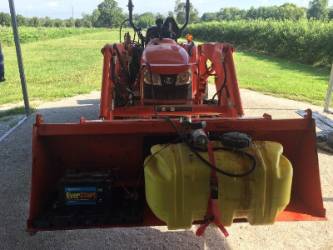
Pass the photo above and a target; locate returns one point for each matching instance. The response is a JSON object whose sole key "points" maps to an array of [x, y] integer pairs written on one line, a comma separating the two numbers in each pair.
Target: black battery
{"points": [[93, 199], [85, 189]]}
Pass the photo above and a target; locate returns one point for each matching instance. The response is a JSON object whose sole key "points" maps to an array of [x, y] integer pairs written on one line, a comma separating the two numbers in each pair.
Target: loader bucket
{"points": [[124, 144]]}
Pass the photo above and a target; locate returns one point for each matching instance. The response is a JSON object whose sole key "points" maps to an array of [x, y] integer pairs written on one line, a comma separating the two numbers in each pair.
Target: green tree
{"points": [[330, 14], [79, 23], [94, 17], [83, 22], [318, 9], [58, 23], [286, 11], [209, 16], [251, 13], [5, 19], [21, 20], [69, 22], [231, 14], [110, 15], [269, 12], [290, 11], [90, 20], [34, 22], [146, 20], [180, 13], [48, 22]]}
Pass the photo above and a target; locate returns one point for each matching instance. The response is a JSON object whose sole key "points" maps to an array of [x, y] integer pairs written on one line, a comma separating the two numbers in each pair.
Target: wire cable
{"points": [[207, 163], [121, 29], [152, 156], [224, 85], [156, 153]]}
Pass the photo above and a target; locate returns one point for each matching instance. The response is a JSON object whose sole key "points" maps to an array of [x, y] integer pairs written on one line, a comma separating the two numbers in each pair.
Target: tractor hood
{"points": [[165, 56]]}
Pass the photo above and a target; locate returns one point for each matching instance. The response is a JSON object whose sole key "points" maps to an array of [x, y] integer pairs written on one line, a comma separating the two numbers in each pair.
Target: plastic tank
{"points": [[177, 185]]}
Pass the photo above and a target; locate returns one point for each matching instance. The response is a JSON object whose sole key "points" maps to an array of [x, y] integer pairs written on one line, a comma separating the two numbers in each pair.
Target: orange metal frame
{"points": [[131, 131], [108, 144], [202, 55]]}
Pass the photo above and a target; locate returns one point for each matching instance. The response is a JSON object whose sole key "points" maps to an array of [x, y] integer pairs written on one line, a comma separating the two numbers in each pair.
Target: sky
{"points": [[65, 8]]}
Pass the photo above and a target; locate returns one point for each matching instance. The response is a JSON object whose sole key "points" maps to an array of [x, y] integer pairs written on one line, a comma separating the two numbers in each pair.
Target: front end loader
{"points": [[166, 153]]}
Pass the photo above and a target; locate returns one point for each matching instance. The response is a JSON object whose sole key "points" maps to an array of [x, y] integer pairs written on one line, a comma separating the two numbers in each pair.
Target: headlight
{"points": [[184, 78], [151, 78]]}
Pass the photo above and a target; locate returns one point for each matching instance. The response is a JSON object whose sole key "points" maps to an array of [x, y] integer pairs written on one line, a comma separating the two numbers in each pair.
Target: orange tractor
{"points": [[165, 153]]}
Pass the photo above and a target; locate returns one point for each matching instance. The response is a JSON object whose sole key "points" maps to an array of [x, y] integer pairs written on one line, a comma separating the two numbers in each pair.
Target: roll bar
{"points": [[130, 16]]}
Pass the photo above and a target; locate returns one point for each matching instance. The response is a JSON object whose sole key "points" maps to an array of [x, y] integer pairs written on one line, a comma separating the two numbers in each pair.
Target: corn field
{"points": [[309, 42]]}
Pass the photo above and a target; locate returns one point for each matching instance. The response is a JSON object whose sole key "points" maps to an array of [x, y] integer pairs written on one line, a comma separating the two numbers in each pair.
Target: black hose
{"points": [[218, 170], [121, 29], [156, 153], [224, 85], [187, 17], [210, 165]]}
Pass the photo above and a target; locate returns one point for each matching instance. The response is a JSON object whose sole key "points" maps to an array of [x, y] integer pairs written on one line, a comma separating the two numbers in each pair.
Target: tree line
{"points": [[318, 10], [109, 14]]}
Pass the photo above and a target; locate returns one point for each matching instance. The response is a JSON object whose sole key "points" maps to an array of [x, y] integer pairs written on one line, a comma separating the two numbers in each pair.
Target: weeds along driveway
{"points": [[15, 173]]}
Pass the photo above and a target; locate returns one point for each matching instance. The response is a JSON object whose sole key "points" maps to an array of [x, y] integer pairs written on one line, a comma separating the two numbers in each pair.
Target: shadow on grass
{"points": [[321, 72], [15, 111]]}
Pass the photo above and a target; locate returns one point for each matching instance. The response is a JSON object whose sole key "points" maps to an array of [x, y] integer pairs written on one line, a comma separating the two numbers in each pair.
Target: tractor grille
{"points": [[168, 80]]}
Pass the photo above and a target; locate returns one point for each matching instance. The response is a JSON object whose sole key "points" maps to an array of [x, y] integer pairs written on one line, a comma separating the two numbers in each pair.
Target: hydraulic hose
{"points": [[211, 166]]}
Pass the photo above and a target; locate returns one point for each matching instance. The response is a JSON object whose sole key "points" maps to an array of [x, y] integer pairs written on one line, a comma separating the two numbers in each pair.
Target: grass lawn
{"points": [[56, 68], [73, 65], [280, 77]]}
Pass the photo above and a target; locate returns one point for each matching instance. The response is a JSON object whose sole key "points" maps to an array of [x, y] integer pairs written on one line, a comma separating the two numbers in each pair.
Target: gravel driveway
{"points": [[15, 171]]}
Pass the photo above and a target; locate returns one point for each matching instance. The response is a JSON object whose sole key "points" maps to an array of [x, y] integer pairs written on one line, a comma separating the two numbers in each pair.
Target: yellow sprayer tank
{"points": [[177, 184]]}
